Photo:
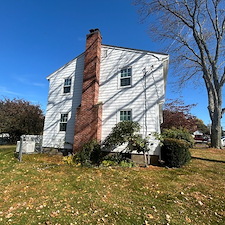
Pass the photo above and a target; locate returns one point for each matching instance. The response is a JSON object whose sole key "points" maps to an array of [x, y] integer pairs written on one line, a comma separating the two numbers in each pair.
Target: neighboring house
{"points": [[101, 87]]}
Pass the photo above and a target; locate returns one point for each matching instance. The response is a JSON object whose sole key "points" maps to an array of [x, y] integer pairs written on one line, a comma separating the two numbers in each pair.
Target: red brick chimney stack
{"points": [[88, 115]]}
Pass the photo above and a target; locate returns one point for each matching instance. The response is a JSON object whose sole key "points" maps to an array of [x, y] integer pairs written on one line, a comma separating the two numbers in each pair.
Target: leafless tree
{"points": [[195, 29]]}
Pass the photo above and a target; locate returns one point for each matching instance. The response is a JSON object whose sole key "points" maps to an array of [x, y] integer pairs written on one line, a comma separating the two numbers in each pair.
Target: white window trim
{"points": [[126, 109], [67, 85], [68, 117], [119, 77], [104, 53]]}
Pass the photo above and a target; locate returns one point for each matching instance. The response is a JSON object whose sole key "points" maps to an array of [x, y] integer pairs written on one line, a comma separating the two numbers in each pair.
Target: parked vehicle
{"points": [[201, 138], [223, 141]]}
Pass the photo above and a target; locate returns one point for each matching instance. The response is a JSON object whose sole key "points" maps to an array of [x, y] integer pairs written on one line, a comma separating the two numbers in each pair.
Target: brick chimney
{"points": [[89, 113]]}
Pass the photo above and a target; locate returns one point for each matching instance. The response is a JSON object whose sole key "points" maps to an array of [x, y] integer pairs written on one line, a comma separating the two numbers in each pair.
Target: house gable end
{"points": [[63, 67]]}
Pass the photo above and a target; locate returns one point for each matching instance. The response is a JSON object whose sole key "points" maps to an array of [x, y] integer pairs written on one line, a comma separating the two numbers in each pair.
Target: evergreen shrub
{"points": [[175, 152], [90, 154], [180, 134], [123, 132]]}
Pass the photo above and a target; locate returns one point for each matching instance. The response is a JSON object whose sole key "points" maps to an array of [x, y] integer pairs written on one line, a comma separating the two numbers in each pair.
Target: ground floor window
{"points": [[63, 122], [125, 115]]}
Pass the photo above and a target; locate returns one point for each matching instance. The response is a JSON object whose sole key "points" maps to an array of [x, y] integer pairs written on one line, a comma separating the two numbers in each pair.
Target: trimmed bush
{"points": [[175, 153], [180, 134], [89, 155]]}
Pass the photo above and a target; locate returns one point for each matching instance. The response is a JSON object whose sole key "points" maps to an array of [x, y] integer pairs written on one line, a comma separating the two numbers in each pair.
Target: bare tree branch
{"points": [[223, 111], [223, 78], [194, 31], [175, 13]]}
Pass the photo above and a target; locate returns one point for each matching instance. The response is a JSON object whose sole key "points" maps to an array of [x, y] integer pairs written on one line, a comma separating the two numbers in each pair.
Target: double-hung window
{"points": [[67, 85], [125, 77], [125, 115], [63, 122]]}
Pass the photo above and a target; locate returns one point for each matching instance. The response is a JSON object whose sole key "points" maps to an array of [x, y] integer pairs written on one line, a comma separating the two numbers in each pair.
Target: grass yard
{"points": [[43, 190]]}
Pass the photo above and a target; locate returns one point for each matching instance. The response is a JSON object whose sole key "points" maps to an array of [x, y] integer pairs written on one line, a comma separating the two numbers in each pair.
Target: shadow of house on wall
{"points": [[144, 96]]}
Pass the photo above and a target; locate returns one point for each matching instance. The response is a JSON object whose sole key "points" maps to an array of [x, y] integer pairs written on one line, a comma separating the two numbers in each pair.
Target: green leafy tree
{"points": [[202, 127], [18, 117], [193, 32]]}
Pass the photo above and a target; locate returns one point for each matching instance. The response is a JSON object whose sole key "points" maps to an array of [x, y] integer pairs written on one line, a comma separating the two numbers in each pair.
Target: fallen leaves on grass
{"points": [[45, 190]]}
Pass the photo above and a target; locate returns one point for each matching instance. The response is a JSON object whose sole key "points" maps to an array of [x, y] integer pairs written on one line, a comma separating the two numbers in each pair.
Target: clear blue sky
{"points": [[37, 37]]}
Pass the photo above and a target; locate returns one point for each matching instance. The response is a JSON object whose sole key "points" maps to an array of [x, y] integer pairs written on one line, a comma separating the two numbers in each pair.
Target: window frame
{"points": [[66, 85], [104, 53], [63, 122], [125, 73], [125, 110]]}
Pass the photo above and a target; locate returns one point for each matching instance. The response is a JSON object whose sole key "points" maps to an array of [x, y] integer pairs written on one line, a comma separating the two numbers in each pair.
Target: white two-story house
{"points": [[102, 86]]}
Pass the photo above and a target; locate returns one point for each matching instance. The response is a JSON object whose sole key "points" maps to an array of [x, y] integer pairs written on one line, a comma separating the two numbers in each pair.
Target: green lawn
{"points": [[43, 190]]}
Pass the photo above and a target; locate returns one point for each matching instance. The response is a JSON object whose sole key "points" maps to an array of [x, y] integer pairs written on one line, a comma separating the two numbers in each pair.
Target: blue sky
{"points": [[38, 37]]}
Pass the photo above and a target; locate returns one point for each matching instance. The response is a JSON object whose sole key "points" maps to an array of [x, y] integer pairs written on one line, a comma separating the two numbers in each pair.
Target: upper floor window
{"points": [[125, 77], [104, 53], [67, 85], [63, 122], [125, 115]]}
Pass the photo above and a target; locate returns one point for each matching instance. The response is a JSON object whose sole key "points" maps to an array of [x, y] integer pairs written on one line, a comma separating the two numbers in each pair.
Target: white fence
{"points": [[29, 144]]}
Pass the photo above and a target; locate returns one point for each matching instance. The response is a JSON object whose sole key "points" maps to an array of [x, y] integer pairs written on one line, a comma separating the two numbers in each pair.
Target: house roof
{"points": [[134, 49], [165, 60]]}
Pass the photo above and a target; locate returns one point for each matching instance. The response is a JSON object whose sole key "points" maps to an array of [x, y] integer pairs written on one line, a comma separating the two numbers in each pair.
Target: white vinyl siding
{"points": [[67, 85], [143, 102], [118, 66], [63, 121], [58, 103], [125, 77]]}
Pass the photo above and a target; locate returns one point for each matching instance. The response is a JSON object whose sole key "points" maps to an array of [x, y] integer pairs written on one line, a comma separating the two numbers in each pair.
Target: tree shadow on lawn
{"points": [[210, 160]]}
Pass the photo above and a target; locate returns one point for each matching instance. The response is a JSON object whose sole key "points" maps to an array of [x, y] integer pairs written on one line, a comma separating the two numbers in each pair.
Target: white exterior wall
{"points": [[115, 98], [59, 102]]}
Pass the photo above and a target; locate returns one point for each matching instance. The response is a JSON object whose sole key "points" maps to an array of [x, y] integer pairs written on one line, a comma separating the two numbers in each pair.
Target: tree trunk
{"points": [[197, 29], [214, 91], [216, 129]]}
